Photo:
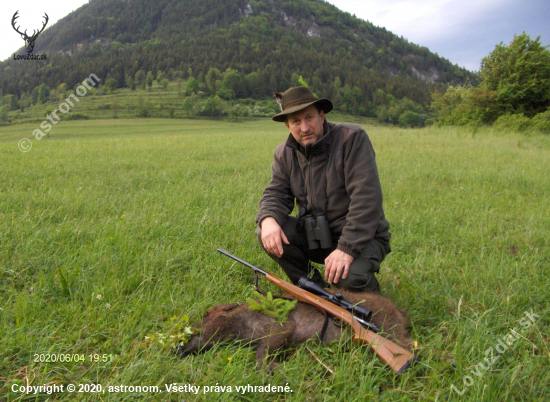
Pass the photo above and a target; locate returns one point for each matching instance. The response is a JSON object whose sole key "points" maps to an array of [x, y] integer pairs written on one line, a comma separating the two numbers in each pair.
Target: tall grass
{"points": [[108, 228]]}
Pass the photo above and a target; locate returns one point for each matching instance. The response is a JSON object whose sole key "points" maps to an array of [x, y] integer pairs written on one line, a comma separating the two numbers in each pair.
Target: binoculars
{"points": [[317, 231]]}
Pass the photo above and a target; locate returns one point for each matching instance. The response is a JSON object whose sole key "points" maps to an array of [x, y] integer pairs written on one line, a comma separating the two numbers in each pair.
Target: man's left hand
{"points": [[337, 265]]}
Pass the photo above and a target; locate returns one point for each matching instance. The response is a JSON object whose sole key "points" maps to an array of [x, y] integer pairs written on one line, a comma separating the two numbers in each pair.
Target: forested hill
{"points": [[268, 42]]}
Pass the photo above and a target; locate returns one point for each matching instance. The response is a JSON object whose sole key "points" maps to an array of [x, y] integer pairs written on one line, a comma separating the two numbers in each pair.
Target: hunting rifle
{"points": [[395, 356]]}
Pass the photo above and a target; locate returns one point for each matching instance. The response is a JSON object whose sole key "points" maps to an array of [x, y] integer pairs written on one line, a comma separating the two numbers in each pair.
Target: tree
{"points": [[115, 107], [10, 101], [212, 106], [192, 86], [34, 95], [160, 76], [149, 79], [144, 107], [111, 84], [43, 93], [140, 77], [60, 92], [233, 81], [212, 78], [3, 114], [520, 74], [256, 85], [130, 82], [187, 105]]}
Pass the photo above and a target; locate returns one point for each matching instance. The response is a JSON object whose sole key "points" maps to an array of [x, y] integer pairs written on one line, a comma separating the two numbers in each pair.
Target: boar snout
{"points": [[189, 348]]}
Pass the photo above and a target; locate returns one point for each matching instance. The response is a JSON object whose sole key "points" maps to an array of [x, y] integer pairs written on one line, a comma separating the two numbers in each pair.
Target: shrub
{"points": [[410, 119], [212, 107], [466, 105], [144, 107], [541, 121], [3, 115], [516, 122], [77, 116], [225, 93], [257, 111], [238, 111]]}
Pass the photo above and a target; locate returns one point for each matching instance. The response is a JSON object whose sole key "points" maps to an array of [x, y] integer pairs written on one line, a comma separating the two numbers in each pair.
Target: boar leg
{"points": [[277, 338]]}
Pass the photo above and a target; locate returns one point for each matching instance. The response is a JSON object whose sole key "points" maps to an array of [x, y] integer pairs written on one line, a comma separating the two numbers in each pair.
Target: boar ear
{"points": [[227, 307], [279, 97], [216, 310]]}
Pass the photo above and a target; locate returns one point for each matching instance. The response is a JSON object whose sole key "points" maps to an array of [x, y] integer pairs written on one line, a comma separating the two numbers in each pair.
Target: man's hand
{"points": [[336, 263], [273, 236]]}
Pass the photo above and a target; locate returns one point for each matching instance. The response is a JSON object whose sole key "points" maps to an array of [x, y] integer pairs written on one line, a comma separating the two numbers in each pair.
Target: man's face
{"points": [[306, 126]]}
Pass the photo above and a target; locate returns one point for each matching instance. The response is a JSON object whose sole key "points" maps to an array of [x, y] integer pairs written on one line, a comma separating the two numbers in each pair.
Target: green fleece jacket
{"points": [[343, 161]]}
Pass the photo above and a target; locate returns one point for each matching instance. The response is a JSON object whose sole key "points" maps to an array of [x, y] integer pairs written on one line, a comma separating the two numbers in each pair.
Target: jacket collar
{"points": [[320, 146]]}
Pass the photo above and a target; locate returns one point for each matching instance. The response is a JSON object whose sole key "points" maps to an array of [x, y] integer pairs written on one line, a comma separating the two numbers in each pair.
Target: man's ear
{"points": [[286, 124]]}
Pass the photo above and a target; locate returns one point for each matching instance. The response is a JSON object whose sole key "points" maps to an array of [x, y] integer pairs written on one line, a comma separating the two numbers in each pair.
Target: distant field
{"points": [[110, 227], [124, 103], [99, 105]]}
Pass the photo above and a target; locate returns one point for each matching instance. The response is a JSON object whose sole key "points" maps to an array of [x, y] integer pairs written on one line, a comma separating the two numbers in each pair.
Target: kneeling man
{"points": [[329, 171]]}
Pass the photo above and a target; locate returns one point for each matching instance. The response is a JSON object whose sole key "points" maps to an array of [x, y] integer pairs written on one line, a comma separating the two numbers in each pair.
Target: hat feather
{"points": [[279, 97]]}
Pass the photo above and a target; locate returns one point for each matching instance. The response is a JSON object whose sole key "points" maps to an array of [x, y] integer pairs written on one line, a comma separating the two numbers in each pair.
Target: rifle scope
{"points": [[337, 299]]}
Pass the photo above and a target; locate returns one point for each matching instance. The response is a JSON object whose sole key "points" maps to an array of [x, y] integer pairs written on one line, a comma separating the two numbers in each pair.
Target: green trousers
{"points": [[296, 260]]}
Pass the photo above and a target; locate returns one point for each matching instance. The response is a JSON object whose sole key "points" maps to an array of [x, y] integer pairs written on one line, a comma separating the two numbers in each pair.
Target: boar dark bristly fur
{"points": [[237, 322]]}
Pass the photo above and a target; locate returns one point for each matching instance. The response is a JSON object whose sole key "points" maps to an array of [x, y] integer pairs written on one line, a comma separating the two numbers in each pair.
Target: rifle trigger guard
{"points": [[337, 322], [256, 287]]}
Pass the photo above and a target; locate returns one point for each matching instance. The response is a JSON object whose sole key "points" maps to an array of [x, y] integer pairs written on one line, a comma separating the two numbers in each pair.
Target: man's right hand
{"points": [[273, 236]]}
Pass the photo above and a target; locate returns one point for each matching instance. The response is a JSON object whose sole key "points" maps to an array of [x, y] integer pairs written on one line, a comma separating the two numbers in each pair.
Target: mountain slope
{"points": [[266, 41]]}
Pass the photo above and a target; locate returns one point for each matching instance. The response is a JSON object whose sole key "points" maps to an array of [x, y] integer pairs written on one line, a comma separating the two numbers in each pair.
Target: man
{"points": [[329, 171]]}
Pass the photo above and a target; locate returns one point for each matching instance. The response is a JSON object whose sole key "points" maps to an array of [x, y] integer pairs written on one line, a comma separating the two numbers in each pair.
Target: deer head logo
{"points": [[29, 40]]}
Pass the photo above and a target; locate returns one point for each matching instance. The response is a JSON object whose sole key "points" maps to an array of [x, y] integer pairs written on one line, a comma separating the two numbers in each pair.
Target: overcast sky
{"points": [[462, 31]]}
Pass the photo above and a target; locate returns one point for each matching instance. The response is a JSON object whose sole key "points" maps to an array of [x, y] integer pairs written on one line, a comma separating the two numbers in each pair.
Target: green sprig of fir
{"points": [[273, 307]]}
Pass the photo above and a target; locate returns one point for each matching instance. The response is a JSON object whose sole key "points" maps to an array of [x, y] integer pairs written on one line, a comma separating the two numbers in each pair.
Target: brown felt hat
{"points": [[298, 98]]}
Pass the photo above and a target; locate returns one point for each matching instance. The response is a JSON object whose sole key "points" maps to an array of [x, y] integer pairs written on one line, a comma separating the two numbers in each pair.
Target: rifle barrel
{"points": [[224, 252]]}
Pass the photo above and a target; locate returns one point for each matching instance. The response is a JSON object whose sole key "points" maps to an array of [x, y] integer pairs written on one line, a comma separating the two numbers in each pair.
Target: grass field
{"points": [[108, 228]]}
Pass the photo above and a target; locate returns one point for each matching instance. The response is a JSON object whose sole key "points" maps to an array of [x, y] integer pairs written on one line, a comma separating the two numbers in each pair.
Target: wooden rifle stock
{"points": [[398, 358]]}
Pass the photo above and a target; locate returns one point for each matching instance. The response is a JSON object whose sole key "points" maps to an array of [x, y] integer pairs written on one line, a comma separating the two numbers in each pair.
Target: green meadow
{"points": [[109, 229]]}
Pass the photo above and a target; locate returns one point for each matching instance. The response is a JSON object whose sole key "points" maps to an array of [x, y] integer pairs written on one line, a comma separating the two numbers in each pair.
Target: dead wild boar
{"points": [[237, 322]]}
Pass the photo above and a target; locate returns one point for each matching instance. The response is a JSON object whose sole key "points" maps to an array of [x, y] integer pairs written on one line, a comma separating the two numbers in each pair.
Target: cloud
{"points": [[463, 31]]}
